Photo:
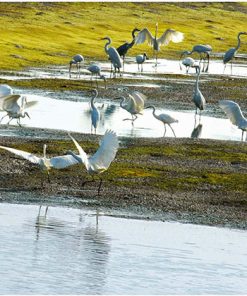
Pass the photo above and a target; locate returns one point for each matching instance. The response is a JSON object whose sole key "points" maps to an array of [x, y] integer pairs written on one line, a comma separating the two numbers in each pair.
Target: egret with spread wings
{"points": [[101, 160], [166, 37]]}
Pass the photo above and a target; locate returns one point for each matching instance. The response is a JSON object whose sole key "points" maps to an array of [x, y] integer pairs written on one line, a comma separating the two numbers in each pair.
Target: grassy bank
{"points": [[35, 34]]}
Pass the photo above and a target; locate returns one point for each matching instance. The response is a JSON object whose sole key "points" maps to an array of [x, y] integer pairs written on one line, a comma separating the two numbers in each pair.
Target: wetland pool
{"points": [[89, 251]]}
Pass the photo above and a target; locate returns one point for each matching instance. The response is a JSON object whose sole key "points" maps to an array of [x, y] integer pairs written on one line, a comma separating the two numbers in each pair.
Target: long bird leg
{"points": [[100, 184], [224, 69], [123, 62], [3, 117], [208, 63], [164, 130], [231, 67], [19, 122], [48, 176], [10, 120], [242, 135], [46, 210], [87, 181], [172, 130]]}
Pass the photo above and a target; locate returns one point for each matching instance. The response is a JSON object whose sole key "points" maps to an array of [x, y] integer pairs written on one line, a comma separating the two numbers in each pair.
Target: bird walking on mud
{"points": [[235, 115], [140, 59], [230, 54], [114, 56], [198, 97], [95, 115], [15, 110], [188, 63], [203, 51], [155, 42], [166, 119], [77, 60], [134, 104], [101, 160], [45, 164], [124, 48], [95, 69]]}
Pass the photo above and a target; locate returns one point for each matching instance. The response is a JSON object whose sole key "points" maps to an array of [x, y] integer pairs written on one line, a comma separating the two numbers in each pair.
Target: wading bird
{"points": [[45, 164], [123, 49], [95, 115], [101, 160], [76, 60], [5, 90], [166, 119], [166, 37], [229, 55], [198, 97], [140, 59], [10, 105], [134, 104], [113, 56], [235, 115], [188, 63], [95, 69], [203, 51]]}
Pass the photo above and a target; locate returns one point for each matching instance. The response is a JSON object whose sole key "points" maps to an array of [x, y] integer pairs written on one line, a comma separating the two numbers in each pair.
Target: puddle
{"points": [[67, 252]]}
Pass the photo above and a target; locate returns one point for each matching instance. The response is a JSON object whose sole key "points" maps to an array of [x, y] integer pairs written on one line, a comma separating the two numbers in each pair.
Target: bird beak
{"points": [[27, 115], [117, 98]]}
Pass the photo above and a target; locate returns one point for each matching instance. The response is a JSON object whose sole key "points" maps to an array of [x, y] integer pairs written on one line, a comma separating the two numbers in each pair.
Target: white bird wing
{"points": [[5, 90], [232, 111], [82, 153], [26, 155], [9, 102], [61, 162], [139, 98], [144, 35], [170, 35], [30, 104], [106, 152]]}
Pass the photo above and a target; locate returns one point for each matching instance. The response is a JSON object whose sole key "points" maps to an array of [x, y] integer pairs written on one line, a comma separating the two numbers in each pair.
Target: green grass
{"points": [[37, 34]]}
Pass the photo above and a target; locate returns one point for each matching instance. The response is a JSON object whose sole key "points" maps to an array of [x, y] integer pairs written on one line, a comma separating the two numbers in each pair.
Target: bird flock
{"points": [[16, 105]]}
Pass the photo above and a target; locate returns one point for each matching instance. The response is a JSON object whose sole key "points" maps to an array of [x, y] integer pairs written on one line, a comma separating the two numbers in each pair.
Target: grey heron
{"points": [[77, 60], [155, 42], [235, 114], [95, 69], [101, 160], [95, 115], [113, 56], [229, 55], [140, 59], [166, 119], [198, 97], [203, 51]]}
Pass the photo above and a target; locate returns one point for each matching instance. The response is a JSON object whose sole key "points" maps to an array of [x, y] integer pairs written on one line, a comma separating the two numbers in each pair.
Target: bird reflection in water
{"points": [[197, 131]]}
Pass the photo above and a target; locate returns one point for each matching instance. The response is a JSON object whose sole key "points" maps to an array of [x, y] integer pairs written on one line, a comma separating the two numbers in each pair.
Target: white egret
{"points": [[5, 90], [166, 119], [10, 105], [134, 104], [203, 50], [77, 60], [198, 97], [95, 69], [166, 37], [188, 63], [230, 54], [235, 115], [95, 115], [113, 56], [101, 160], [140, 59], [45, 164]]}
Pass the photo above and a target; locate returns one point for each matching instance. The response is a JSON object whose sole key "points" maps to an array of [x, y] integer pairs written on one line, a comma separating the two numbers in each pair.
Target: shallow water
{"points": [[72, 113], [66, 252]]}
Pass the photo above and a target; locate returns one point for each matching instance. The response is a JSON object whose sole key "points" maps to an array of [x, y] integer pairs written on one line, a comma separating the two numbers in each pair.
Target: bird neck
{"points": [[156, 31], [92, 101], [44, 151], [197, 78], [121, 102], [239, 42], [107, 44]]}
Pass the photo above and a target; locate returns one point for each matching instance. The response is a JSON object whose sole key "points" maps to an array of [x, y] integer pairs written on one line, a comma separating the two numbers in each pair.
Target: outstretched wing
{"points": [[106, 152], [170, 35], [61, 162], [30, 104], [139, 98], [8, 103], [144, 35], [83, 155], [26, 155], [232, 111]]}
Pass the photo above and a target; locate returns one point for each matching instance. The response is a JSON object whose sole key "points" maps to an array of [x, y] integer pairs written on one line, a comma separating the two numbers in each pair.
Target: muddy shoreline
{"points": [[154, 178]]}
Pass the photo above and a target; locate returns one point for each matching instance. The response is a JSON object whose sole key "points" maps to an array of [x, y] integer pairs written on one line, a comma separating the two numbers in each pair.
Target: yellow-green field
{"points": [[37, 34]]}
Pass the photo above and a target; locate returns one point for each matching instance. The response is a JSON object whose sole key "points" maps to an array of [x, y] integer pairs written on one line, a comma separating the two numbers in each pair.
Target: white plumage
{"points": [[5, 90], [113, 55], [235, 114]]}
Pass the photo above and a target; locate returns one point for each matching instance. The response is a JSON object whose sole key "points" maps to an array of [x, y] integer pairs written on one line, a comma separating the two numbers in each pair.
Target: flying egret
{"points": [[101, 160], [113, 56], [203, 50], [134, 104], [95, 69], [45, 164], [95, 115], [165, 118], [76, 60], [166, 37], [14, 110], [198, 97], [235, 115], [124, 48], [188, 63], [229, 55], [140, 59]]}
